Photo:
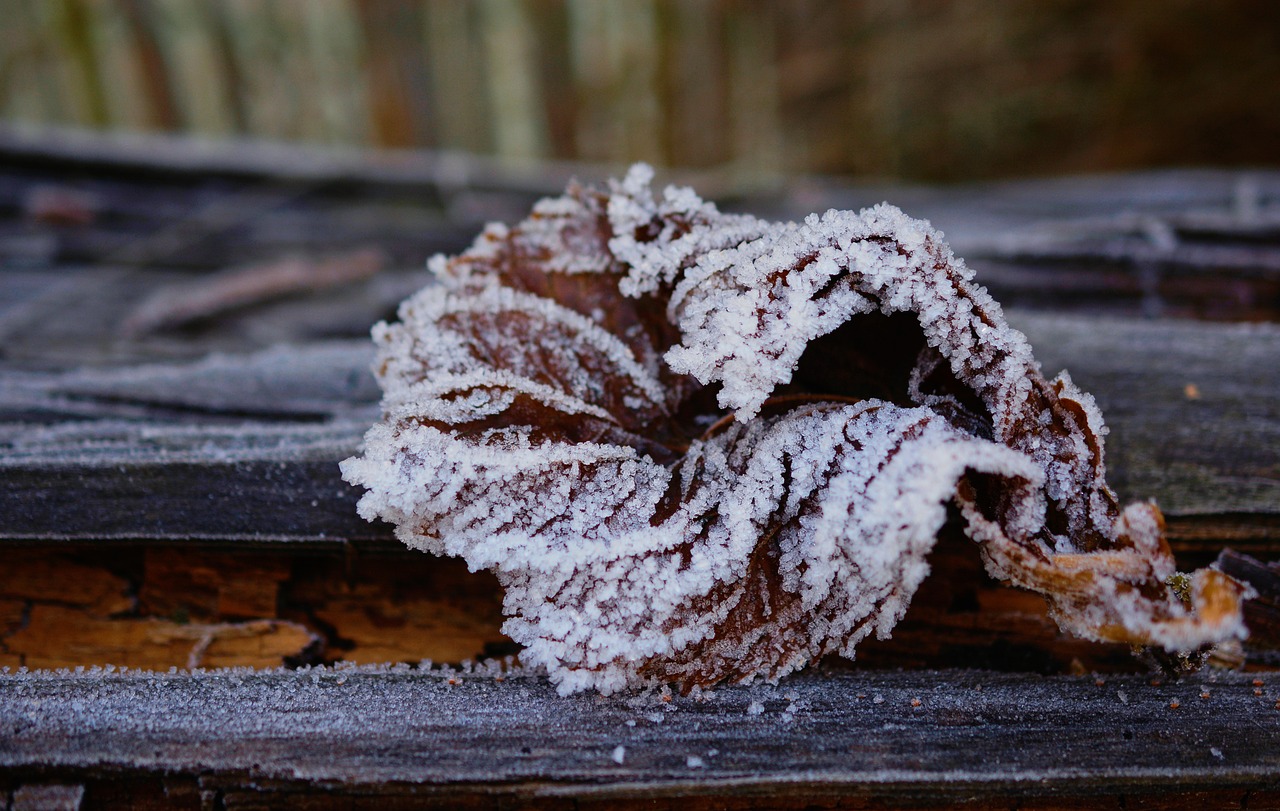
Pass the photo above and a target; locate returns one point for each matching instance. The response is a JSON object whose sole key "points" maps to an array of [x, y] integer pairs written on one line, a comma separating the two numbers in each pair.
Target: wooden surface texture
{"points": [[184, 360], [842, 740]]}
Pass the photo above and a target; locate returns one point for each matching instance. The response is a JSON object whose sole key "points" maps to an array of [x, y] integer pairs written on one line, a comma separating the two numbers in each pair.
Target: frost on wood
{"points": [[696, 446]]}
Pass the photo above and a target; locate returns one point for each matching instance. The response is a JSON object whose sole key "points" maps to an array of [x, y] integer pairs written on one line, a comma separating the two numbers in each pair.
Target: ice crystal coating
{"points": [[697, 446]]}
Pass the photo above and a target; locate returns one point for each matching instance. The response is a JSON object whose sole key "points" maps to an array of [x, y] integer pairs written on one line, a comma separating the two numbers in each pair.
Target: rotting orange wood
{"points": [[260, 643], [407, 607], [260, 607], [399, 607], [386, 630], [199, 585], [214, 607], [35, 574], [63, 636], [11, 614]]}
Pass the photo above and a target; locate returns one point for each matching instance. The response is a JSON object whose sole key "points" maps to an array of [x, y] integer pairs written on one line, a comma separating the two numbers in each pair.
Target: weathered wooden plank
{"points": [[247, 501], [36, 331], [1194, 408], [246, 446], [924, 737], [1186, 244], [1183, 243], [167, 155], [167, 470], [315, 382]]}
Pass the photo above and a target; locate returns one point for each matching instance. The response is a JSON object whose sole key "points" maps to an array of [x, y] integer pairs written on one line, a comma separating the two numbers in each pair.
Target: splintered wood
{"points": [[157, 608]]}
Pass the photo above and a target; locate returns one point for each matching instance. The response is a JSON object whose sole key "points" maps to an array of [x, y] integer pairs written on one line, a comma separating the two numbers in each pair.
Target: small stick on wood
{"points": [[181, 304]]}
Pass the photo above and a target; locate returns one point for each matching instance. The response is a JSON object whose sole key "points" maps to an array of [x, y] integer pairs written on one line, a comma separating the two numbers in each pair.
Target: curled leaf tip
{"points": [[698, 446]]}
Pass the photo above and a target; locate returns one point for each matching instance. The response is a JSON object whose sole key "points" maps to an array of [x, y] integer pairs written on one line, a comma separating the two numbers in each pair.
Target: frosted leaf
{"points": [[695, 446]]}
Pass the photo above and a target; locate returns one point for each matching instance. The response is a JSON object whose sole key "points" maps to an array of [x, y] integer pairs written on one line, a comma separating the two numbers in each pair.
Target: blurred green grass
{"points": [[917, 90]]}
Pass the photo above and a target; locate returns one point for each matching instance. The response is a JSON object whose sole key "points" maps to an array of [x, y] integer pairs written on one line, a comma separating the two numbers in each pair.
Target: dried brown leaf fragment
{"points": [[697, 446]]}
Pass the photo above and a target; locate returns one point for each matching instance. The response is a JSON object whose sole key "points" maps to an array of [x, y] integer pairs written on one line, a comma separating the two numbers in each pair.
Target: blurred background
{"points": [[890, 89]]}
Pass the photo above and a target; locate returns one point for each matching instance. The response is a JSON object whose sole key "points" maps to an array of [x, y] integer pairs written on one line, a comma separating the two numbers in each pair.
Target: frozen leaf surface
{"points": [[697, 446]]}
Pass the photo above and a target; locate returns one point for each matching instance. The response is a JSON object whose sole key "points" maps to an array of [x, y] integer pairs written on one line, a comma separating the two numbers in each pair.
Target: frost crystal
{"points": [[696, 446]]}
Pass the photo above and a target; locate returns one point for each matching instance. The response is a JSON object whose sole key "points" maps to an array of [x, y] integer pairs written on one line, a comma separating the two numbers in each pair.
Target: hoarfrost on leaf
{"points": [[696, 446]]}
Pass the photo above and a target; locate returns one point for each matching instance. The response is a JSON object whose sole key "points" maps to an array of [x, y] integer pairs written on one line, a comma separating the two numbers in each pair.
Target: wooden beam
{"points": [[928, 737], [245, 447]]}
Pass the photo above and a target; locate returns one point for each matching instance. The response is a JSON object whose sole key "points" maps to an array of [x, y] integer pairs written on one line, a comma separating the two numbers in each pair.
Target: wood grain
{"points": [[253, 455], [170, 497], [153, 606], [848, 740]]}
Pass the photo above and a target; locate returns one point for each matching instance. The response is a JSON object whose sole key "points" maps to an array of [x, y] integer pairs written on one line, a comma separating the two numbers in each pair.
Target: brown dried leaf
{"points": [[696, 446]]}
